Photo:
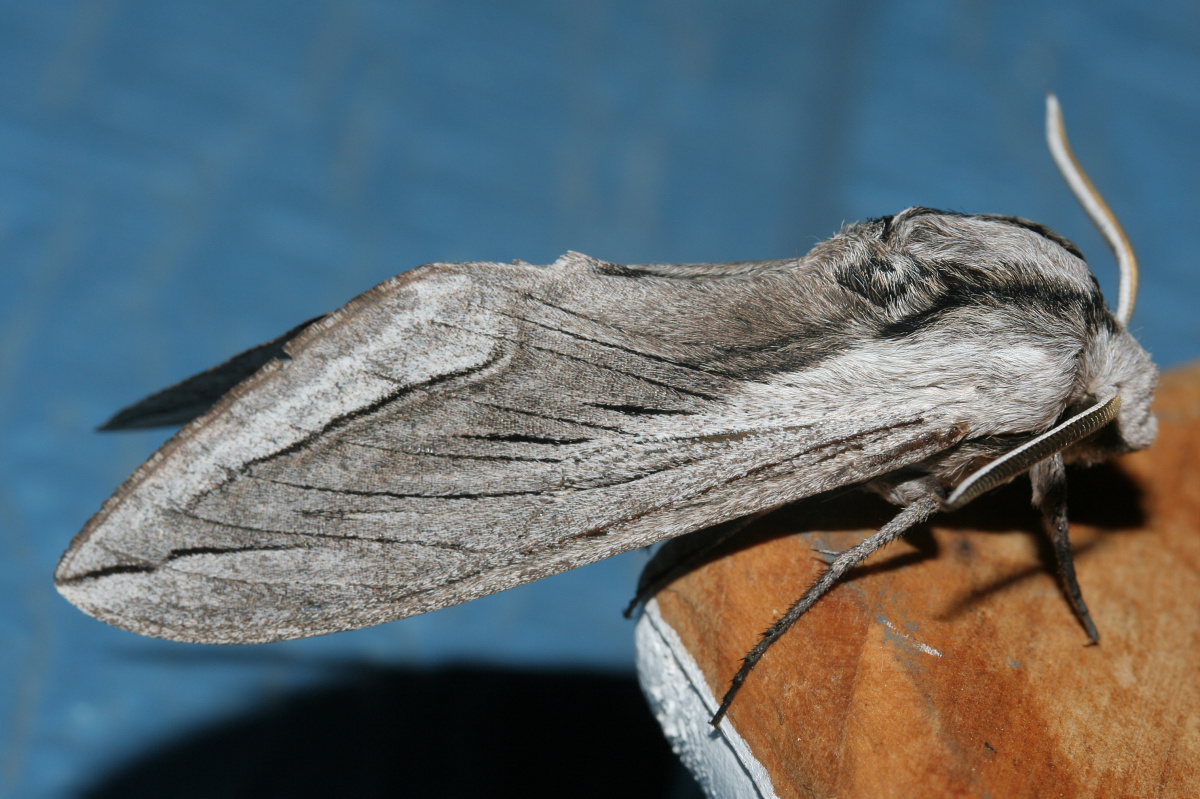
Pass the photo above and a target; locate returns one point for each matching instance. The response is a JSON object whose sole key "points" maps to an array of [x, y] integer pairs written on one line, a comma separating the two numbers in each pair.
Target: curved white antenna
{"points": [[1099, 212]]}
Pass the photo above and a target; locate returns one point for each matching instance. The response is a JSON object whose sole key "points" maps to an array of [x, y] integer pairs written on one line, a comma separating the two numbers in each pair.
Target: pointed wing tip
{"points": [[120, 599], [159, 602], [188, 399], [115, 424], [111, 591], [135, 417]]}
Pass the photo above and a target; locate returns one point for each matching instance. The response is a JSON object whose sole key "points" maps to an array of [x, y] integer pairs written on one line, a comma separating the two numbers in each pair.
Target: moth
{"points": [[464, 428]]}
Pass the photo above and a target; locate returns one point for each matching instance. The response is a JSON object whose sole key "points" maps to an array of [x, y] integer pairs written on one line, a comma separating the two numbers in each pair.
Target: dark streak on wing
{"points": [[537, 415], [331, 536], [587, 361], [366, 410], [191, 398], [176, 554], [501, 458], [107, 571], [641, 410], [340, 421], [179, 554], [605, 482], [351, 492], [471, 457], [526, 439], [664, 384], [837, 445], [639, 353], [771, 348]]}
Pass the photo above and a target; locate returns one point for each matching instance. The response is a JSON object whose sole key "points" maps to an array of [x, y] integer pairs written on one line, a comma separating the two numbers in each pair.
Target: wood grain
{"points": [[951, 664]]}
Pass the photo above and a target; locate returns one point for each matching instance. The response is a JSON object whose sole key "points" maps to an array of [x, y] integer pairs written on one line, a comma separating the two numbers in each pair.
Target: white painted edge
{"points": [[720, 760]]}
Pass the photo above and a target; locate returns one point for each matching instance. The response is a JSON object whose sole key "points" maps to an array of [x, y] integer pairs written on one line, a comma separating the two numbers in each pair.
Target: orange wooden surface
{"points": [[951, 664]]}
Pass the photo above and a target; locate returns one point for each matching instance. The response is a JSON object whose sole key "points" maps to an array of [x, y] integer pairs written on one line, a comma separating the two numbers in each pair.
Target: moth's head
{"points": [[1112, 362]]}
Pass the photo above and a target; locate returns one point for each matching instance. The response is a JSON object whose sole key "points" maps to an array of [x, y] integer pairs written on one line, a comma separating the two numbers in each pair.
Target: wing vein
{"points": [[639, 353], [585, 361]]}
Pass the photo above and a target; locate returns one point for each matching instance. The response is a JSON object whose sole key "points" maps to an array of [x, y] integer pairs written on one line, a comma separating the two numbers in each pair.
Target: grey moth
{"points": [[464, 428]]}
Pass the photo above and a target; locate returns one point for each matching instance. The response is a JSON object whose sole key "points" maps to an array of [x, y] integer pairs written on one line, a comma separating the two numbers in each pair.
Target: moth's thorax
{"points": [[1017, 312]]}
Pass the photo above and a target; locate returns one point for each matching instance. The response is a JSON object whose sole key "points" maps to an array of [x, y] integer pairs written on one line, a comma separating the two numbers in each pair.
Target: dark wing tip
{"points": [[155, 411], [188, 399]]}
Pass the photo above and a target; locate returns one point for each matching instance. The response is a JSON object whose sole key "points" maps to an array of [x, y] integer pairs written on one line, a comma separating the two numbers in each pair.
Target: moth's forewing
{"points": [[466, 428]]}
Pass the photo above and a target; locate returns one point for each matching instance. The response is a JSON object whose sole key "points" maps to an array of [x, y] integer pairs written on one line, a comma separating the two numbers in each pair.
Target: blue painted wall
{"points": [[179, 181]]}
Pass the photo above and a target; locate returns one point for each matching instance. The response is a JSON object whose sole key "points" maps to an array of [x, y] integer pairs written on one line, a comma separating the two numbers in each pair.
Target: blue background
{"points": [[179, 181]]}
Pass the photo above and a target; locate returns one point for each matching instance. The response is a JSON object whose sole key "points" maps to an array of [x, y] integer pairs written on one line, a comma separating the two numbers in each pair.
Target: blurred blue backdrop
{"points": [[179, 181]]}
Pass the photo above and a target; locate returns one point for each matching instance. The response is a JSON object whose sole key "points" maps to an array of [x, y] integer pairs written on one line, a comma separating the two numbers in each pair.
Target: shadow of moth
{"points": [[465, 428]]}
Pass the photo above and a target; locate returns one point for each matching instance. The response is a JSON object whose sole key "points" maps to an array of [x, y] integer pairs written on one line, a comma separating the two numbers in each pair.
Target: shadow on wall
{"points": [[447, 733]]}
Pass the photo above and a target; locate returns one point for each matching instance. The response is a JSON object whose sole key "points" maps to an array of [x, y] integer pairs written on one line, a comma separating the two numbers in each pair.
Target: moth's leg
{"points": [[651, 584], [829, 554], [913, 514], [1049, 479]]}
